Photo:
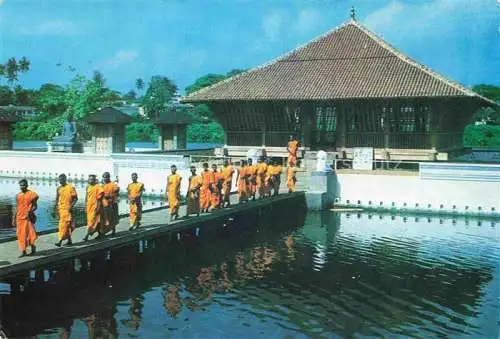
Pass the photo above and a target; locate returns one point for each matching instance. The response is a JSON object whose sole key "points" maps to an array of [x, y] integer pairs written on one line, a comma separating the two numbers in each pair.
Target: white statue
{"points": [[253, 154], [321, 165]]}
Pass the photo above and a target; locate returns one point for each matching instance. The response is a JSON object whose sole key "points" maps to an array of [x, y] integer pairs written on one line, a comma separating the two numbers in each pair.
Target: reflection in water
{"points": [[336, 275]]}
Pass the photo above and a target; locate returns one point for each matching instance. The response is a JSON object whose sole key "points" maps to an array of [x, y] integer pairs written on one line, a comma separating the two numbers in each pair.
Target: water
{"points": [[47, 191], [285, 275]]}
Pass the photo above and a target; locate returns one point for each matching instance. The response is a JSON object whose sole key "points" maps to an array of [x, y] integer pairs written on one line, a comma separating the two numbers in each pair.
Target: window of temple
{"points": [[326, 119], [407, 118]]}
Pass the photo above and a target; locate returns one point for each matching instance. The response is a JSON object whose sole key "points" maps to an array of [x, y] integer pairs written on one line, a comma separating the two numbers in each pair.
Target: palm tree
{"points": [[24, 65], [139, 84]]}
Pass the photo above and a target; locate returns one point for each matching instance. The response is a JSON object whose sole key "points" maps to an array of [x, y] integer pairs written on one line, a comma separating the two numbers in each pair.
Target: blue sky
{"points": [[185, 39]]}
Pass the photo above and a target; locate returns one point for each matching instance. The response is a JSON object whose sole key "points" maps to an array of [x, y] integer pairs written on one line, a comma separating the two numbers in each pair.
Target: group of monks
{"points": [[206, 192]]}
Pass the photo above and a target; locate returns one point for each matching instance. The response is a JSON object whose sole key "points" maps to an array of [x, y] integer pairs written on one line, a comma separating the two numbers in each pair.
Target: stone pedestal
{"points": [[64, 146], [322, 190]]}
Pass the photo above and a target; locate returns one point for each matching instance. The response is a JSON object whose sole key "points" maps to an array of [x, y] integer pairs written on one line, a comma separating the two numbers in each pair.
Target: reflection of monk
{"points": [[173, 300], [224, 283], [135, 312]]}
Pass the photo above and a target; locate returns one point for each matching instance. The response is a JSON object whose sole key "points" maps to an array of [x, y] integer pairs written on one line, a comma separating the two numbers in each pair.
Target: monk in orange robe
{"points": [[227, 177], [216, 197], [109, 205], [134, 191], [24, 218], [174, 193], [293, 146], [93, 200], [208, 179], [242, 181], [193, 193], [261, 177], [66, 199], [291, 177], [277, 177], [269, 178], [252, 179]]}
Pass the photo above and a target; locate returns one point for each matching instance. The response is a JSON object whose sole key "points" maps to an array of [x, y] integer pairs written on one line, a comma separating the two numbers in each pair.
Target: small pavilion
{"points": [[172, 124], [347, 88], [108, 130], [7, 118]]}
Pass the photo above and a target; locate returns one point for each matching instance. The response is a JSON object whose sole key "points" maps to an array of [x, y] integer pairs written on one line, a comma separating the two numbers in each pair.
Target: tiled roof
{"points": [[173, 116], [109, 115], [346, 63], [9, 116]]}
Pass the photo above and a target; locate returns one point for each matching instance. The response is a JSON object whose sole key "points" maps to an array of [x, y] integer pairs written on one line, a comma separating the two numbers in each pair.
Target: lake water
{"points": [[288, 274], [47, 191]]}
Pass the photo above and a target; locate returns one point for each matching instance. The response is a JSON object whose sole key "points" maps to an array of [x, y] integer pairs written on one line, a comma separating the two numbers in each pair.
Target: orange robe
{"points": [[293, 146], [252, 179], [193, 194], [109, 206], [174, 199], [277, 178], [208, 179], [134, 191], [242, 184], [66, 223], [26, 233], [227, 175], [93, 200], [215, 198], [261, 178], [291, 178], [269, 180]]}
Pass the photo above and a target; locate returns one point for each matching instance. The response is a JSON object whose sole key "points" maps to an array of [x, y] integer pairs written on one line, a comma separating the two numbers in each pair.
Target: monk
{"points": [[216, 190], [261, 177], [251, 172], [269, 178], [134, 191], [109, 205], [208, 179], [242, 182], [66, 198], [276, 177], [93, 201], [24, 220], [173, 192], [293, 146], [227, 173], [291, 177], [193, 193]]}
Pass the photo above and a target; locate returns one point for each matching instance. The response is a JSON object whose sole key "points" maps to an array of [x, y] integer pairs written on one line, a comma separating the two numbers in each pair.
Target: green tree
{"points": [[490, 115], [160, 91], [6, 96], [11, 69], [130, 96]]}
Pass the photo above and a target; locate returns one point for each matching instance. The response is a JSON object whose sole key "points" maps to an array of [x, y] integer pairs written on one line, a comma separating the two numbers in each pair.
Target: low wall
{"points": [[437, 187], [152, 169]]}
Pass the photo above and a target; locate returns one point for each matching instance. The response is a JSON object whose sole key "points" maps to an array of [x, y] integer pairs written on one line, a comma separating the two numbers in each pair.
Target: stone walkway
{"points": [[154, 222]]}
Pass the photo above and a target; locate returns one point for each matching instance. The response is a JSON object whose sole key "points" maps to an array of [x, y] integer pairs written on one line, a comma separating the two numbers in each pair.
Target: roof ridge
{"points": [[275, 60], [412, 62]]}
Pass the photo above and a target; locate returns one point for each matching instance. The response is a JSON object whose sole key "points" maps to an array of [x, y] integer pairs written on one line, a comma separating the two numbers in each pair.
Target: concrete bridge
{"points": [[16, 271]]}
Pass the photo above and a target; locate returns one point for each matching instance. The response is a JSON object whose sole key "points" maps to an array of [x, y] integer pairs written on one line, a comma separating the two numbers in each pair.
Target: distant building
{"points": [[21, 111]]}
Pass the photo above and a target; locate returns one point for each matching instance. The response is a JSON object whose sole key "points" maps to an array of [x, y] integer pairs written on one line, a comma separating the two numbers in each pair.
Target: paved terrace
{"points": [[154, 223]]}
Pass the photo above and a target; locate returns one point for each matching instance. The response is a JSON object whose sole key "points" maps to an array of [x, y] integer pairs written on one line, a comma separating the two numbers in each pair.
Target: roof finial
{"points": [[353, 13]]}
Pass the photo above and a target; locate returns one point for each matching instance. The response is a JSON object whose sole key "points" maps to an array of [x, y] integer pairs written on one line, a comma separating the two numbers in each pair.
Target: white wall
{"points": [[475, 192]]}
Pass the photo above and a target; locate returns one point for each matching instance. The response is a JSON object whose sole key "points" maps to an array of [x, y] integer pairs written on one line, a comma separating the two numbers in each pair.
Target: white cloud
{"points": [[307, 20], [50, 27], [2, 2], [271, 24], [121, 58]]}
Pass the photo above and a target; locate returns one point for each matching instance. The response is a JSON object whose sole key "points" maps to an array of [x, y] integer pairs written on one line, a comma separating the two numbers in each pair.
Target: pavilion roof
{"points": [[348, 62], [109, 115], [174, 116], [9, 116]]}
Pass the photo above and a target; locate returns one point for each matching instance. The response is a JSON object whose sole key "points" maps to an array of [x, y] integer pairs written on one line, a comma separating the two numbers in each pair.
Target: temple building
{"points": [[347, 88]]}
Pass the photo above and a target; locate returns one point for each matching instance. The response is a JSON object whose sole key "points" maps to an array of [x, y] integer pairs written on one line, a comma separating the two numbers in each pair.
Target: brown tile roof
{"points": [[346, 63], [7, 116], [109, 115]]}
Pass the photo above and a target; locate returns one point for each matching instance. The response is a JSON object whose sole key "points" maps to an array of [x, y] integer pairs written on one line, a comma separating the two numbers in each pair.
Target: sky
{"points": [[186, 39]]}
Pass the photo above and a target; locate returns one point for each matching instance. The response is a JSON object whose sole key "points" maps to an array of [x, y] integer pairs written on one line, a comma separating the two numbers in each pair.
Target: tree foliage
{"points": [[488, 115], [11, 69], [160, 91]]}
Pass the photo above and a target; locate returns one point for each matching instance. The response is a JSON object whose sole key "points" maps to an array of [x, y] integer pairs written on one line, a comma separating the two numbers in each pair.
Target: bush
{"points": [[211, 132]]}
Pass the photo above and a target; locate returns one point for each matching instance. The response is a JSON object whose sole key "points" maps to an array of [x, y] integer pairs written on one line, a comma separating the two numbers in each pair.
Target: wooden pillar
{"points": [[5, 136], [342, 125]]}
